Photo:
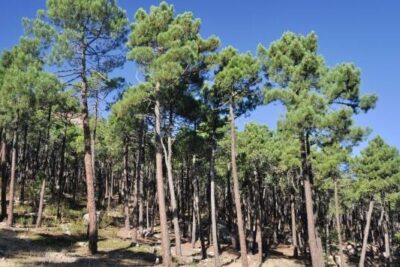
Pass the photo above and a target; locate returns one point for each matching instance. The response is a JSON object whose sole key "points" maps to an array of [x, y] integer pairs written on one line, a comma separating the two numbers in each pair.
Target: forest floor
{"points": [[64, 244], [50, 246]]}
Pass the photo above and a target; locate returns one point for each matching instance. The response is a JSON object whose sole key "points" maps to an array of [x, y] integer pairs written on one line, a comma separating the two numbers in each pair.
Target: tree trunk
{"points": [[259, 214], [88, 161], [175, 220], [25, 163], [193, 232], [126, 188], [366, 233], [196, 208], [315, 248], [338, 228], [110, 191], [213, 208], [294, 225], [387, 255], [165, 243], [3, 166], [141, 174], [236, 191], [10, 212], [61, 177], [41, 203]]}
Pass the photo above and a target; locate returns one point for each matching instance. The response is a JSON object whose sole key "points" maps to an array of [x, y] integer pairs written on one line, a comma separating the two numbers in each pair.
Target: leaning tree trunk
{"points": [[315, 248], [10, 211], [175, 221], [366, 233], [165, 243], [236, 191], [88, 161], [338, 228], [3, 166], [41, 202]]}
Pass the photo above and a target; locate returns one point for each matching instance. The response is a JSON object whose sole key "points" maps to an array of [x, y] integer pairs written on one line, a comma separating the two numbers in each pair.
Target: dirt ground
{"points": [[51, 246]]}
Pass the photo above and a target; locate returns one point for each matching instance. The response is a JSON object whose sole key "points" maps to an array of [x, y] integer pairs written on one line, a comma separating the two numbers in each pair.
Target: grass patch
{"points": [[113, 244]]}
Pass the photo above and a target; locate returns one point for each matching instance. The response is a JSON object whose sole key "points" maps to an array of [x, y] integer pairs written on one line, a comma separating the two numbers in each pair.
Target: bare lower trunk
{"points": [[88, 159], [126, 188], [165, 243], [175, 221], [236, 191], [10, 211], [41, 203], [213, 208], [258, 213], [338, 228], [61, 177], [294, 226], [366, 233], [141, 175], [387, 254], [110, 191], [3, 166], [196, 208], [313, 238], [193, 232]]}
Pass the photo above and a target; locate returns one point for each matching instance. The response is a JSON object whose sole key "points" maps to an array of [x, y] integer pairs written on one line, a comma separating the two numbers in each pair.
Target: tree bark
{"points": [[213, 206], [338, 228], [196, 209], [315, 248], [387, 255], [366, 233], [41, 203], [165, 243], [236, 191], [61, 177], [193, 231], [294, 225], [126, 188], [88, 161], [141, 174], [3, 166], [110, 191], [10, 211], [259, 214], [175, 220]]}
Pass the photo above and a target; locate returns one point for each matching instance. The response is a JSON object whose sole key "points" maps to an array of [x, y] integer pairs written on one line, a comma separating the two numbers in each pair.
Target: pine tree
{"points": [[377, 169], [236, 83], [86, 37], [298, 77], [166, 47]]}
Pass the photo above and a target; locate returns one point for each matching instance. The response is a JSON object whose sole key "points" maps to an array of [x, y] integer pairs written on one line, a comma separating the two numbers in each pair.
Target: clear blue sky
{"points": [[365, 32]]}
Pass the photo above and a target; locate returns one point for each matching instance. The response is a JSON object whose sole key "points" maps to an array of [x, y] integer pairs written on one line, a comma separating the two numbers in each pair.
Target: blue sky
{"points": [[365, 32]]}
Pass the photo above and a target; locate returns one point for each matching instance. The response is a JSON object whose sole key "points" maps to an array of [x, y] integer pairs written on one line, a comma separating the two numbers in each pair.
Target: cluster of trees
{"points": [[169, 150]]}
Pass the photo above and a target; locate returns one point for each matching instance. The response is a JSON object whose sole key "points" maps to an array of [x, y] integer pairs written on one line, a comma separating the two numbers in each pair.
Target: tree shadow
{"points": [[117, 257], [59, 250]]}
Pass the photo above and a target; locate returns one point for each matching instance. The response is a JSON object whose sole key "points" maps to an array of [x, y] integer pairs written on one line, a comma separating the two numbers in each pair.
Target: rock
{"points": [[65, 228], [82, 244], [86, 218], [125, 234]]}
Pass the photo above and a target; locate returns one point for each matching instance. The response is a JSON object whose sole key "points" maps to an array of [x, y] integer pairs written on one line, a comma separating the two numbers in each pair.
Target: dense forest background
{"points": [[88, 159]]}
